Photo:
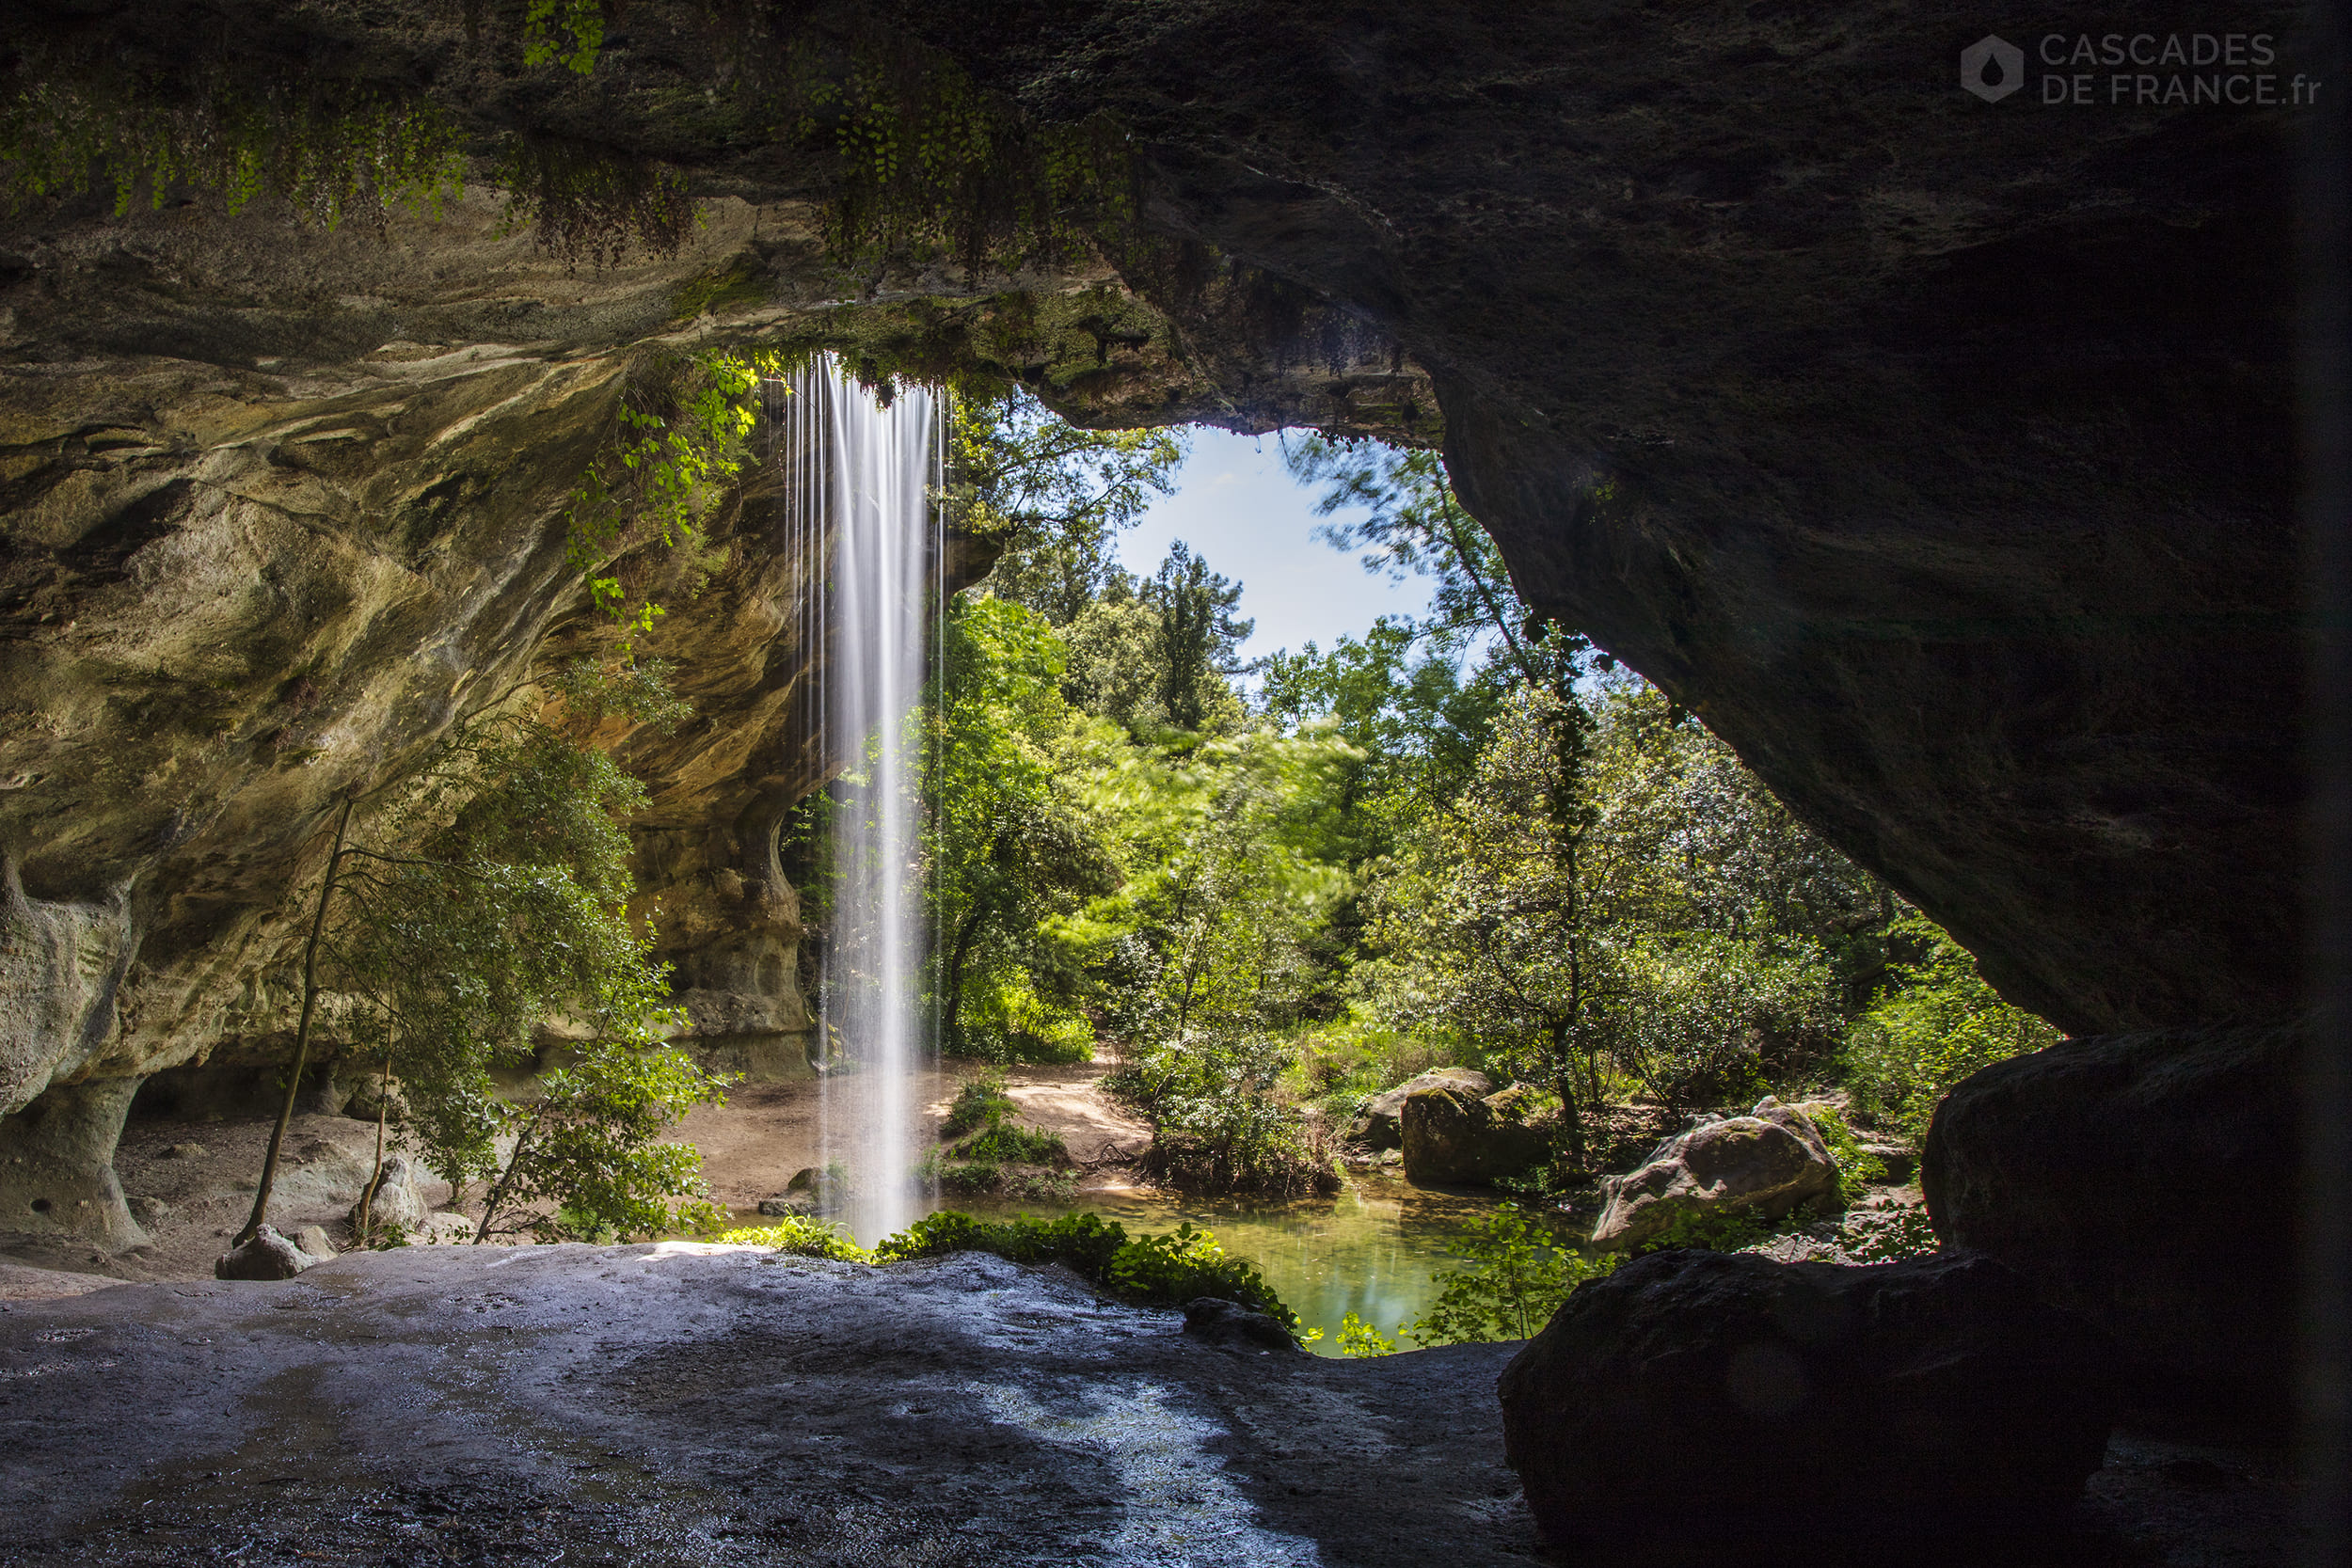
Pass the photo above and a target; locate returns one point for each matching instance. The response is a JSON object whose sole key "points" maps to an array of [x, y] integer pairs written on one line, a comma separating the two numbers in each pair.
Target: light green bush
{"points": [[1938, 1023], [1518, 1275], [804, 1238]]}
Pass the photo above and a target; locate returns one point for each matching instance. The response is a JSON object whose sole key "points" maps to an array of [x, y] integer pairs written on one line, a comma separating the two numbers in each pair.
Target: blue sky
{"points": [[1238, 508]]}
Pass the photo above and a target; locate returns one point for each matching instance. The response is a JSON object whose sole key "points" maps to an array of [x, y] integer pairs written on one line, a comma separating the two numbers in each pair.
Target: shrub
{"points": [[1160, 1271], [982, 1103], [1857, 1169], [1934, 1026], [1009, 1142], [804, 1238], [1518, 1275]]}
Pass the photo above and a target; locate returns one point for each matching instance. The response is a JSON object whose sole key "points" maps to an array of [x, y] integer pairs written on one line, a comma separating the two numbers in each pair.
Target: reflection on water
{"points": [[1370, 1251]]}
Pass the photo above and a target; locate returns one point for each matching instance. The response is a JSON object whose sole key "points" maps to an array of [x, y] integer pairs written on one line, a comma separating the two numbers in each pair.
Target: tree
{"points": [[1197, 632], [1055, 495], [489, 895], [1011, 842]]}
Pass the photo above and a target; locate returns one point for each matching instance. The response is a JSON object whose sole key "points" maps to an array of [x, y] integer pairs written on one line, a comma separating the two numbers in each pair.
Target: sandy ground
{"points": [[190, 1183], [766, 1132]]}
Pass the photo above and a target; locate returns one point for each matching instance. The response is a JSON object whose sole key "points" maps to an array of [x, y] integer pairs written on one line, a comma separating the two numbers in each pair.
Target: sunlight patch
{"points": [[1182, 1510]]}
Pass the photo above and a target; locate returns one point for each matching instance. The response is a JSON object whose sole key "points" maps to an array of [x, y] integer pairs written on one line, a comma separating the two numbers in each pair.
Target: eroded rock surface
{"points": [[1717, 1406], [1381, 1123], [1763, 1164], [2144, 1181], [675, 1404], [1454, 1134]]}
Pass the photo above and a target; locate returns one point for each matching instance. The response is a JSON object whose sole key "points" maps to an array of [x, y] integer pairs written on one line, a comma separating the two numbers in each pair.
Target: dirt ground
{"points": [[754, 1144], [190, 1183]]}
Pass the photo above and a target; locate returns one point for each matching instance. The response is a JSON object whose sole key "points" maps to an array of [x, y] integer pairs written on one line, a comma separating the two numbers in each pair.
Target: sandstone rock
{"points": [[1452, 1134], [267, 1256], [2142, 1181], [399, 1198], [313, 1240], [1380, 1124], [1234, 1326], [1699, 1406], [57, 1165], [1765, 1162]]}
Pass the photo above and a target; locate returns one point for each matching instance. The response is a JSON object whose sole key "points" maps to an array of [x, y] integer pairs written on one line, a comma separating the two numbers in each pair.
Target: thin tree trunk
{"points": [[302, 1034], [498, 1192], [376, 1178]]}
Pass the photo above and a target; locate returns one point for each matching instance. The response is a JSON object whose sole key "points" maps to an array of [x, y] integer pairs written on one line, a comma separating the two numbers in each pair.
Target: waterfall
{"points": [[861, 505]]}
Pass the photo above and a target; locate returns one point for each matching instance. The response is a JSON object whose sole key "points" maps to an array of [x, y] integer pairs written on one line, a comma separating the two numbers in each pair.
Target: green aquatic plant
{"points": [[1359, 1339], [1518, 1275]]}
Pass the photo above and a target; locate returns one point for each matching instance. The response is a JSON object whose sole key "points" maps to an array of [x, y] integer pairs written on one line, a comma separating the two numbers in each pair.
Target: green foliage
{"points": [[685, 424], [1857, 1169], [1936, 1022], [1196, 633], [587, 204], [1906, 1234], [1359, 1338], [1518, 1275], [1013, 848], [1010, 1143], [327, 158], [493, 894], [803, 1238], [570, 32], [1056, 495], [925, 164], [1717, 1230], [588, 1143], [1160, 1271], [982, 1103]]}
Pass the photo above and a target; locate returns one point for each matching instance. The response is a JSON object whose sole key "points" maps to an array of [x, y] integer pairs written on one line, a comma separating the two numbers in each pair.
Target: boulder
{"points": [[313, 1240], [268, 1256], [787, 1208], [1765, 1162], [1233, 1326], [399, 1198], [1454, 1134], [447, 1228], [2145, 1181], [1381, 1123], [1701, 1406]]}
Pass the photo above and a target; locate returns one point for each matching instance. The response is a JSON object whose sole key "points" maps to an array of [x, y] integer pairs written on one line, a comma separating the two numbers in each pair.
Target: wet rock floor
{"points": [[673, 1403]]}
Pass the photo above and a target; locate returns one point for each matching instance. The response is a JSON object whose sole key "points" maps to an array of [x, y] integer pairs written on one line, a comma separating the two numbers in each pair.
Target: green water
{"points": [[1370, 1251]]}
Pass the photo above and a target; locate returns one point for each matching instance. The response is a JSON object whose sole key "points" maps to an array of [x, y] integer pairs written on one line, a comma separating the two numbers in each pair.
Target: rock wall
{"points": [[1936, 452]]}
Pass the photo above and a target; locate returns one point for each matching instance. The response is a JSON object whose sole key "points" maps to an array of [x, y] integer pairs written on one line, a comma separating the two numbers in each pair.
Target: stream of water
{"points": [[864, 500]]}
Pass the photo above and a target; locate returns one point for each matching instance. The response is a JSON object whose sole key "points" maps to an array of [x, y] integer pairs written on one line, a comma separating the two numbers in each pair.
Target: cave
{"points": [[1951, 457]]}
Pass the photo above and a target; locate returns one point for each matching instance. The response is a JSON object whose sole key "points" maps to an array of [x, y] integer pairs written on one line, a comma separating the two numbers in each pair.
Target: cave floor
{"points": [[676, 1404]]}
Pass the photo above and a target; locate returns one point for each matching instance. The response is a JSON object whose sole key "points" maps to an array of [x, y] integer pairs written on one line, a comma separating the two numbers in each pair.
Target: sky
{"points": [[1240, 510]]}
